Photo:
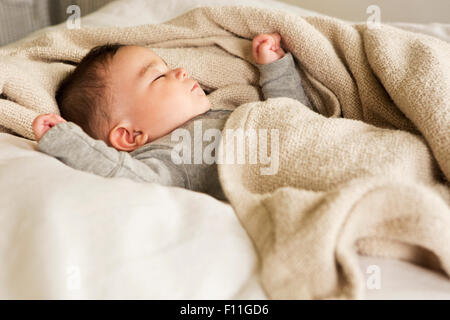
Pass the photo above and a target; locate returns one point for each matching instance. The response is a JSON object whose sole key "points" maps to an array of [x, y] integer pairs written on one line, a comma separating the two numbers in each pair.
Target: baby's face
{"points": [[152, 97]]}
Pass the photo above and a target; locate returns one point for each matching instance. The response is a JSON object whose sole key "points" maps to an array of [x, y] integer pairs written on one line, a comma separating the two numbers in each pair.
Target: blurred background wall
{"points": [[416, 11], [21, 17]]}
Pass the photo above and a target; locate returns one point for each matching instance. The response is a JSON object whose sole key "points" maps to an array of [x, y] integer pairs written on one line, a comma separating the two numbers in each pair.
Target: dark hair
{"points": [[83, 96]]}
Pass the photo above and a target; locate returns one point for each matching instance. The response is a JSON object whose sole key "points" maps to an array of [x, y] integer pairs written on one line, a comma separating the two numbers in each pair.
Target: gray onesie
{"points": [[153, 161]]}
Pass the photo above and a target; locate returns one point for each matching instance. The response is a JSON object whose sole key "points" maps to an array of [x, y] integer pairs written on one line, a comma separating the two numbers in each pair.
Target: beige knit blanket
{"points": [[372, 182]]}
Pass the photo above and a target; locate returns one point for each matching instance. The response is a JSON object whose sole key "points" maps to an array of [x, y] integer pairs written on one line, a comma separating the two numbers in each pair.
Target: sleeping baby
{"points": [[120, 104]]}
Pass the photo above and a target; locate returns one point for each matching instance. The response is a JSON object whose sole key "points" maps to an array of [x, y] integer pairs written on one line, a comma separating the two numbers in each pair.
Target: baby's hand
{"points": [[266, 48], [44, 122]]}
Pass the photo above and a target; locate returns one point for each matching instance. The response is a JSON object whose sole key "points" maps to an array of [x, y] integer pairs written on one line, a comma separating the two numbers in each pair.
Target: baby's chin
{"points": [[205, 107]]}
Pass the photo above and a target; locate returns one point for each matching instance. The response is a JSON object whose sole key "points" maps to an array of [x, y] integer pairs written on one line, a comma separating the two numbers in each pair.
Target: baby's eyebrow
{"points": [[150, 65], [145, 68]]}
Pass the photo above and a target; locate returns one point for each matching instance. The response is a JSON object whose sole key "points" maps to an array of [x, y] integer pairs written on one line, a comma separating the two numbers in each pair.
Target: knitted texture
{"points": [[374, 182]]}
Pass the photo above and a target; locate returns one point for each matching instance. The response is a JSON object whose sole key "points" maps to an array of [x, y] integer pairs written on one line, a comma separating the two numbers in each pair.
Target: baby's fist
{"points": [[266, 48], [44, 122]]}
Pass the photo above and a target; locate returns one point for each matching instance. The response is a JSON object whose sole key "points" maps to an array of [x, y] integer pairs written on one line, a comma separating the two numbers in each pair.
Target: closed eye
{"points": [[160, 76]]}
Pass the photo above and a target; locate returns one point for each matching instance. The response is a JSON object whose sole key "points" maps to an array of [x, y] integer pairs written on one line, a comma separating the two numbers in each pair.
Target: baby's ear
{"points": [[125, 138], [141, 138]]}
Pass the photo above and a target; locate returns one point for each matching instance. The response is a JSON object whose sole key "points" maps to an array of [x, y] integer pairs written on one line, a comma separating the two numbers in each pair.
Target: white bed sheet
{"points": [[127, 240], [69, 234]]}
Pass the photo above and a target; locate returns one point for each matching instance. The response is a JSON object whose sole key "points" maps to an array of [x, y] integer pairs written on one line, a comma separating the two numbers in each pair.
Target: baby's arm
{"points": [[281, 79], [70, 144], [278, 75]]}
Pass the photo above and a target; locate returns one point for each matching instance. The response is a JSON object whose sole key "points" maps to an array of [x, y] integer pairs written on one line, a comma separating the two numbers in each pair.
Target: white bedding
{"points": [[70, 234]]}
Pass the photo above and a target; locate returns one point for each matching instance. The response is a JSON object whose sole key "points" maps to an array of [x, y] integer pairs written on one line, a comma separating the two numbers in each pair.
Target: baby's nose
{"points": [[181, 73]]}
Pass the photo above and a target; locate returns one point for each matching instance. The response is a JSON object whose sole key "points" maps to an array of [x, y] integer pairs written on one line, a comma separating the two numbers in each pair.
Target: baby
{"points": [[120, 104]]}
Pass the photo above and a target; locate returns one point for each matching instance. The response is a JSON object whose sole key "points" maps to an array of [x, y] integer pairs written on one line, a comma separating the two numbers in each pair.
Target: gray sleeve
{"points": [[72, 146], [281, 79]]}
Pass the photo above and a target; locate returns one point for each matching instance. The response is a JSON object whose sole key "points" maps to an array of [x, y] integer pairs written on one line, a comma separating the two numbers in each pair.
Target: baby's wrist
{"points": [[52, 131], [275, 61], [279, 58]]}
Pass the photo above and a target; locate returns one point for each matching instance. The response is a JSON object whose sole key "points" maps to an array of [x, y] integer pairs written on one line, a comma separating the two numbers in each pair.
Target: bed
{"points": [[67, 234]]}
